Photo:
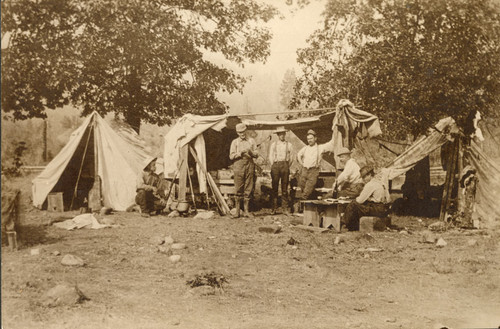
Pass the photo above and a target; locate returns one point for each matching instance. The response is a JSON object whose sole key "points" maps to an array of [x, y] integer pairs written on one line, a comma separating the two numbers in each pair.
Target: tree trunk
{"points": [[133, 114], [133, 118], [44, 140]]}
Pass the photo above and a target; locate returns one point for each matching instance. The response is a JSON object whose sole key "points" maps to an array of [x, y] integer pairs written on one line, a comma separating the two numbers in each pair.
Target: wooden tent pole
{"points": [[454, 165], [95, 195], [218, 196], [460, 164], [449, 182], [81, 166], [191, 187]]}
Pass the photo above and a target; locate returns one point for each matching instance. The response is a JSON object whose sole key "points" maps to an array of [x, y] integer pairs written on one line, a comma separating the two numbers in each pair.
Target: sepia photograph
{"points": [[248, 164]]}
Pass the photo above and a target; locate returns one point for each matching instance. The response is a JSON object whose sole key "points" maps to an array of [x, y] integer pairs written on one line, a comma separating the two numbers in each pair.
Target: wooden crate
{"points": [[55, 202]]}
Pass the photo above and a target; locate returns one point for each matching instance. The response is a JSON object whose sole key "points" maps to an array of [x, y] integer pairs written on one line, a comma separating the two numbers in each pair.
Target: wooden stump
{"points": [[371, 223]]}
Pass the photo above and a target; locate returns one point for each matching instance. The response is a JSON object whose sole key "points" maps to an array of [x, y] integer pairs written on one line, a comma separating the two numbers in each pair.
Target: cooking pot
{"points": [[183, 206]]}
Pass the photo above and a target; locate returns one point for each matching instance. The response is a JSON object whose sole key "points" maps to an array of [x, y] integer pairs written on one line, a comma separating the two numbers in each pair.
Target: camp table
{"points": [[324, 213]]}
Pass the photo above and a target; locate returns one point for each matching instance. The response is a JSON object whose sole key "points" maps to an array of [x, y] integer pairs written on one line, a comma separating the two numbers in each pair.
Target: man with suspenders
{"points": [[309, 158], [280, 158]]}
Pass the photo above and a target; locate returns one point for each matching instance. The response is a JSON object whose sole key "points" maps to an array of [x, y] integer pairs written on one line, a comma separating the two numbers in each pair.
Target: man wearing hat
{"points": [[243, 150], [372, 201], [349, 182], [280, 158], [309, 157], [148, 192]]}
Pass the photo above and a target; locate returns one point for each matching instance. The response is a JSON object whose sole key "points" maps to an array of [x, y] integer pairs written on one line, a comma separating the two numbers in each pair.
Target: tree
{"points": [[144, 59], [286, 89], [410, 62]]}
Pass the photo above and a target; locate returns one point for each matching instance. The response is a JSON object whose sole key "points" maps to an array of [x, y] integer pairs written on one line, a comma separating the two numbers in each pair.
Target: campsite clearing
{"points": [[263, 280]]}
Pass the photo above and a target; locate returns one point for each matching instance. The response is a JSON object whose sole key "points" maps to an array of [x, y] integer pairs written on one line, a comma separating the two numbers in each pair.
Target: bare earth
{"points": [[271, 284]]}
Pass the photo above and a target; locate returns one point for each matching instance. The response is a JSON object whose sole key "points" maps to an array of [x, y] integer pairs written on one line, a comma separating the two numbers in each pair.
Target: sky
{"points": [[262, 93]]}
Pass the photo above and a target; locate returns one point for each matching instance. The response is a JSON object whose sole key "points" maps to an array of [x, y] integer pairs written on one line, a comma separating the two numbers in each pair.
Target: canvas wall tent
{"points": [[120, 156], [211, 136], [483, 156]]}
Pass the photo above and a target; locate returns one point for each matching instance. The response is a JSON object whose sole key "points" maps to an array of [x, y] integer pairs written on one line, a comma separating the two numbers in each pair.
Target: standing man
{"points": [[373, 200], [309, 158], [148, 190], [280, 158], [243, 150], [349, 183]]}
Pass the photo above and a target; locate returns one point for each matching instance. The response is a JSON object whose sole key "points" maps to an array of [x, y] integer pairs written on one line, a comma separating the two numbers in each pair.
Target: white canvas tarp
{"points": [[189, 127], [119, 163]]}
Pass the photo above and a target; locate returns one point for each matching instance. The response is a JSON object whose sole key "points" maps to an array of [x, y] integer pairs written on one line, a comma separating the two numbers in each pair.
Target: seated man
{"points": [[349, 183], [373, 200], [149, 189]]}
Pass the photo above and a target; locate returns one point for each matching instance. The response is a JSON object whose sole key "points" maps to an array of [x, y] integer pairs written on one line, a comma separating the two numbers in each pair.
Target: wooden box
{"points": [[55, 202]]}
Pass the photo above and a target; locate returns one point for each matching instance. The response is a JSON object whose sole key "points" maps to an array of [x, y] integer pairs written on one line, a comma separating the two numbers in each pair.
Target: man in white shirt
{"points": [[349, 182], [373, 201], [243, 150], [280, 158], [309, 157]]}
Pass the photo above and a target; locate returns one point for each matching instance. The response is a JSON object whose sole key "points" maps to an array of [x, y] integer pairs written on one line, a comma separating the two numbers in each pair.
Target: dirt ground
{"points": [[383, 280]]}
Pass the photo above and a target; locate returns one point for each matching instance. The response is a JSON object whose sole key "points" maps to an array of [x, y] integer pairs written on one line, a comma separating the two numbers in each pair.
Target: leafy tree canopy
{"points": [[144, 59], [410, 62]]}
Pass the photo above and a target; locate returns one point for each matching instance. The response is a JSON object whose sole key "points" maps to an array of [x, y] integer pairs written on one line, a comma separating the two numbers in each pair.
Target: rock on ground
{"points": [[174, 258], [178, 246], [441, 243], [63, 294], [70, 260]]}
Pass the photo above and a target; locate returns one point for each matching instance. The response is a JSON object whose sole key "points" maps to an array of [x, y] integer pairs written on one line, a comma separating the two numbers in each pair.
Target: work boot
{"points": [[237, 207], [286, 205], [275, 205], [247, 213]]}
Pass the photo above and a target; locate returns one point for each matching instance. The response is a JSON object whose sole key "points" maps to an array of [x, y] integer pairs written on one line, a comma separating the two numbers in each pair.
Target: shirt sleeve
{"points": [[327, 147], [347, 174], [140, 184], [233, 152], [291, 155], [271, 153], [253, 145], [366, 192], [300, 155]]}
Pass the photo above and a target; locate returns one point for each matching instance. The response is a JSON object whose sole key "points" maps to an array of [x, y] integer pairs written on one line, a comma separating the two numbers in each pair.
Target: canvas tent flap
{"points": [[184, 131], [488, 185], [422, 148], [350, 122], [119, 163], [43, 184]]}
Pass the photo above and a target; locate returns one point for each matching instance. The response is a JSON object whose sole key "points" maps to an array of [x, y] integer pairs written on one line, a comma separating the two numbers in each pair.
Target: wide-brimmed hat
{"points": [[241, 127], [147, 162], [343, 150], [311, 132], [366, 170], [280, 129]]}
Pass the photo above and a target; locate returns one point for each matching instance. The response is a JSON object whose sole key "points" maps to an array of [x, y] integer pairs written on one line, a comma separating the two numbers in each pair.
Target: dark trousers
{"points": [[307, 181], [355, 211], [280, 171], [244, 171], [147, 201]]}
